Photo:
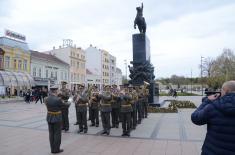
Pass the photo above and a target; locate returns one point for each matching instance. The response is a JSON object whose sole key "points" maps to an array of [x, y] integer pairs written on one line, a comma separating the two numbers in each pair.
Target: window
{"points": [[19, 64], [25, 65], [7, 62], [52, 74], [14, 64], [40, 72], [78, 55], [71, 76], [61, 76], [46, 73], [34, 71], [1, 62], [77, 64], [56, 75], [77, 77], [65, 75]]}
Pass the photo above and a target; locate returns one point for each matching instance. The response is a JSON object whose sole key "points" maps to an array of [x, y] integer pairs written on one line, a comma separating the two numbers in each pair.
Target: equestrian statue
{"points": [[139, 19]]}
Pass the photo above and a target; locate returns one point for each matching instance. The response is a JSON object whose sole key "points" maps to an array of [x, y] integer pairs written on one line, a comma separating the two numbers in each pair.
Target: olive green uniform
{"points": [[54, 118], [94, 106], [105, 109], [126, 109], [65, 108], [81, 102], [115, 103]]}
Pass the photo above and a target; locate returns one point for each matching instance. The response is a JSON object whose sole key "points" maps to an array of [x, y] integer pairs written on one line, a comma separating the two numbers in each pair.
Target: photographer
{"points": [[218, 112]]}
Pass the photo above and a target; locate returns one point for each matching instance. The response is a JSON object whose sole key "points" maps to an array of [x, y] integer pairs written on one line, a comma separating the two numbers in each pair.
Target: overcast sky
{"points": [[180, 31]]}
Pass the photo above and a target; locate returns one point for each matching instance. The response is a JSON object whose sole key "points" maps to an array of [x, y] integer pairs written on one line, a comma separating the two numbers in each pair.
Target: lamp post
{"points": [[201, 74], [125, 62], [191, 80]]}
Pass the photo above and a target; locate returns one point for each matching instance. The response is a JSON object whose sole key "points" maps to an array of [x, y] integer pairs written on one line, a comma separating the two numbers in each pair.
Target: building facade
{"points": [[93, 78], [101, 64], [94, 66], [16, 55], [76, 58], [105, 60], [48, 70], [118, 76], [14, 64], [112, 69]]}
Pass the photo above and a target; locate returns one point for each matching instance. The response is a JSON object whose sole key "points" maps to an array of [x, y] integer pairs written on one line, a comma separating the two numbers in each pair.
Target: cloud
{"points": [[180, 31]]}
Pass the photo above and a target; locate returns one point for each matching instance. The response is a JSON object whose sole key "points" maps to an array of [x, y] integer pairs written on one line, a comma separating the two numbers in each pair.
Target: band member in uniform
{"points": [[94, 106], [126, 110], [64, 95], [81, 102], [139, 104], [75, 94], [115, 103], [145, 101], [105, 109], [54, 118], [134, 107]]}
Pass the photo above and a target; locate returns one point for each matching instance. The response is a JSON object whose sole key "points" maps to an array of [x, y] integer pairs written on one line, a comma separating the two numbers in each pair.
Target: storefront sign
{"points": [[43, 79], [14, 35]]}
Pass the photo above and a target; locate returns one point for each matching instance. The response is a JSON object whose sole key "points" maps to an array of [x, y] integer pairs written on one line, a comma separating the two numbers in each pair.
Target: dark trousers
{"points": [[145, 109], [82, 120], [76, 113], [55, 136], [115, 115], [126, 122], [65, 119], [95, 116], [134, 118], [39, 98], [105, 117], [89, 109], [139, 111]]}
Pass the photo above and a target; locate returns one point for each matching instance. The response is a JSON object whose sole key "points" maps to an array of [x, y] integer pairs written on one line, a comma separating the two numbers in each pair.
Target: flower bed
{"points": [[172, 107]]}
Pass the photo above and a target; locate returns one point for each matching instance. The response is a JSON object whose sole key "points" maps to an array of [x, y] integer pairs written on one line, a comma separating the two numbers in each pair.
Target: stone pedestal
{"points": [[141, 48], [142, 69]]}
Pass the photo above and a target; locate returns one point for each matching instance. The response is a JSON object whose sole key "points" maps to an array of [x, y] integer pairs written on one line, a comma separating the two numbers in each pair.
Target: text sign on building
{"points": [[14, 35]]}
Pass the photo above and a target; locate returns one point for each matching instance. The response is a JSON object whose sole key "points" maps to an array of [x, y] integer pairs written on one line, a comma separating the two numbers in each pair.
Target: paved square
{"points": [[23, 131]]}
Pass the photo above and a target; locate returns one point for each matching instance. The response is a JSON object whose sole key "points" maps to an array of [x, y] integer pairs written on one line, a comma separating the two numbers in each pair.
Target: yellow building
{"points": [[14, 65]]}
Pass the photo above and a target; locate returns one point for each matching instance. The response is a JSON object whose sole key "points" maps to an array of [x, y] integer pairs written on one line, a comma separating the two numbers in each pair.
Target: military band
{"points": [[127, 105]]}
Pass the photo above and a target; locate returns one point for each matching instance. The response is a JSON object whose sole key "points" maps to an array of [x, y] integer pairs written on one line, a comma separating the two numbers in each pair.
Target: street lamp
{"points": [[201, 74], [191, 80], [125, 62]]}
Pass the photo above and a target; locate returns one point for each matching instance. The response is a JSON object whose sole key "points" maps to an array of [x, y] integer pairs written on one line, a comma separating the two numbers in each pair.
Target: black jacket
{"points": [[219, 115]]}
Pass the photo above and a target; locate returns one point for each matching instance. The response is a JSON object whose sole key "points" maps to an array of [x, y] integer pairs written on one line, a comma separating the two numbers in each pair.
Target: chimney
{"points": [[53, 47], [59, 46], [90, 45]]}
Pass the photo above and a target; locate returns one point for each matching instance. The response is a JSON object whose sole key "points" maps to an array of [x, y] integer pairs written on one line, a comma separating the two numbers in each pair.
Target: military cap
{"points": [[55, 87], [114, 85], [130, 86], [81, 85], [63, 82]]}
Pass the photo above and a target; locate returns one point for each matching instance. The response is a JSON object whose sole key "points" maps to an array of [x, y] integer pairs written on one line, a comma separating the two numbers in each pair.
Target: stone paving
{"points": [[23, 131]]}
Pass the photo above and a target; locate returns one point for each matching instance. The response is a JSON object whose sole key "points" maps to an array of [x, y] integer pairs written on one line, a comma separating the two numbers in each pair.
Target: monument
{"points": [[142, 70]]}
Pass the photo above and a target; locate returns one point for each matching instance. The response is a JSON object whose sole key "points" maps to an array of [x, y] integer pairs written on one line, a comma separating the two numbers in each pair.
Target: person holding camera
{"points": [[218, 112]]}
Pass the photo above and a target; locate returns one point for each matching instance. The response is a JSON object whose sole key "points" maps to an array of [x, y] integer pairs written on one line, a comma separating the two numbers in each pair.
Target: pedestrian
{"points": [[38, 96], [54, 118], [218, 113]]}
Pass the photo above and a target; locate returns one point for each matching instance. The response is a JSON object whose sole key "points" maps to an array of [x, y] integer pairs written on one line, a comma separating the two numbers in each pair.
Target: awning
{"points": [[8, 78]]}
